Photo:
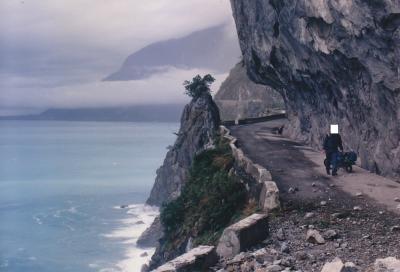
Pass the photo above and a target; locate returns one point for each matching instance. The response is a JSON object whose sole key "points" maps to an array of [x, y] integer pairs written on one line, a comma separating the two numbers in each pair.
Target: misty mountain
{"points": [[139, 113], [215, 48]]}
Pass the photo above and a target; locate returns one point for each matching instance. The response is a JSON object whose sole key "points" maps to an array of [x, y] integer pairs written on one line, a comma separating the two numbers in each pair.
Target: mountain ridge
{"points": [[212, 48]]}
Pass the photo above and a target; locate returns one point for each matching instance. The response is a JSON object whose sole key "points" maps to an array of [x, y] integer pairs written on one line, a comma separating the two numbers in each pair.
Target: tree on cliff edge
{"points": [[198, 86]]}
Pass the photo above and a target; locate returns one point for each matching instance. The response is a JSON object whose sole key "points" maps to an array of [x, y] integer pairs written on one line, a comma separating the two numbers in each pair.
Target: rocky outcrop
{"points": [[150, 237], [240, 98], [333, 61], [242, 235], [199, 125], [197, 259]]}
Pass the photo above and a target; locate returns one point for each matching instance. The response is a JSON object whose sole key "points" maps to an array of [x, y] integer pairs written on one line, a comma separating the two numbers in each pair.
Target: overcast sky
{"points": [[53, 53]]}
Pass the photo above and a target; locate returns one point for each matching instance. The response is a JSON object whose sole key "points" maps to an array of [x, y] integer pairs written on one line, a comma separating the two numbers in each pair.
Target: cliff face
{"points": [[239, 97], [199, 125], [334, 61]]}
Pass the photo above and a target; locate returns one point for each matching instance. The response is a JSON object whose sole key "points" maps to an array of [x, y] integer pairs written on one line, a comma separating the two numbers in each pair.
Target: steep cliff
{"points": [[199, 125], [214, 48], [239, 97], [334, 61]]}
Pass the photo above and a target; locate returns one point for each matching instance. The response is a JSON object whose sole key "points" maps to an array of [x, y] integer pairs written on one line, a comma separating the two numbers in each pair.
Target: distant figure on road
{"points": [[332, 144]]}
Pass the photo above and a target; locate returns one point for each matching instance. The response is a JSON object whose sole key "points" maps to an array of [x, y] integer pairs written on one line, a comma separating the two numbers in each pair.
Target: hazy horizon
{"points": [[54, 54]]}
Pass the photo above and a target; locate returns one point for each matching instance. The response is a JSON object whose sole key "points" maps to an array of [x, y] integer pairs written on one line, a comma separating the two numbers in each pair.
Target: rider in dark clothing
{"points": [[332, 144]]}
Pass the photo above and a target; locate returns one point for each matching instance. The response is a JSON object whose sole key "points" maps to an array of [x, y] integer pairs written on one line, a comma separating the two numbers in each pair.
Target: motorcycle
{"points": [[345, 160]]}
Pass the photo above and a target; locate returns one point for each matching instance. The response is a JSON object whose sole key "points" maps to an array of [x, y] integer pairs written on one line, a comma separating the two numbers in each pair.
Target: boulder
{"points": [[389, 264], [269, 197], [242, 235], [313, 236], [330, 234], [197, 259], [309, 215], [337, 266]]}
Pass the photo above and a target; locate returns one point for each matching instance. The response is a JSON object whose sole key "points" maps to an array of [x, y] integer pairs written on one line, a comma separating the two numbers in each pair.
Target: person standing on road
{"points": [[332, 144]]}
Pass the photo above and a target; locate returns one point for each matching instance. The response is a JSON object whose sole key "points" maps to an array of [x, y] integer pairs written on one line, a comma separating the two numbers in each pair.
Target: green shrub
{"points": [[208, 201], [198, 86]]}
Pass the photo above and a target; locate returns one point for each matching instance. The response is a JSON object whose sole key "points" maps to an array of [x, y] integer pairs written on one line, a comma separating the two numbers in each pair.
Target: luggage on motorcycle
{"points": [[351, 157]]}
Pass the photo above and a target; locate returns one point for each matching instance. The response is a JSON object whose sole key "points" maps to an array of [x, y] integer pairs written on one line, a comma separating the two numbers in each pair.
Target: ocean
{"points": [[62, 185]]}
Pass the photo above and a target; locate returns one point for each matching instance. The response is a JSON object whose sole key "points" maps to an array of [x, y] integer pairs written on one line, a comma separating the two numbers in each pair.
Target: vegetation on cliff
{"points": [[198, 85], [208, 202]]}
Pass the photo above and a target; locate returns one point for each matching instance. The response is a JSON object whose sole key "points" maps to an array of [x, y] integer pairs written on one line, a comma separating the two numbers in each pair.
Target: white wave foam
{"points": [[140, 217]]}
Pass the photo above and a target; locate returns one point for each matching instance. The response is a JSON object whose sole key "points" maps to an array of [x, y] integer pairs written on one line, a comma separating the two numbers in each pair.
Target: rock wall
{"points": [[199, 125], [240, 98], [333, 61]]}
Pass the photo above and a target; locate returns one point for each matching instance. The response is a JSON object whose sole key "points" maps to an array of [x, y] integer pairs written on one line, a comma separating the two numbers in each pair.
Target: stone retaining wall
{"points": [[269, 194], [241, 235]]}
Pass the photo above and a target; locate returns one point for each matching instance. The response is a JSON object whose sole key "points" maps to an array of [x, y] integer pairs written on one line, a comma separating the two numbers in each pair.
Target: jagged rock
{"points": [[334, 62], [199, 125], [389, 264], [269, 196], [150, 237], [301, 255], [273, 268], [197, 259], [242, 235], [288, 261], [309, 215], [240, 98], [339, 215], [313, 236], [397, 199], [285, 247], [238, 258], [395, 228], [350, 267], [280, 234], [263, 256], [330, 234], [336, 266]]}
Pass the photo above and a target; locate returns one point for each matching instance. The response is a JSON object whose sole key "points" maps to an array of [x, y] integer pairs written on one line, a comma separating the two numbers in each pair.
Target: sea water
{"points": [[62, 185]]}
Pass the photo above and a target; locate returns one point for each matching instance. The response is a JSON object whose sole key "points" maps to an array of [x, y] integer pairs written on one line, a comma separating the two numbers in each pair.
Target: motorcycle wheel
{"points": [[325, 163]]}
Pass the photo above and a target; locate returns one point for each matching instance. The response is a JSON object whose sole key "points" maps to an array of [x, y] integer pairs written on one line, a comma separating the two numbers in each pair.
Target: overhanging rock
{"points": [[242, 235], [197, 259]]}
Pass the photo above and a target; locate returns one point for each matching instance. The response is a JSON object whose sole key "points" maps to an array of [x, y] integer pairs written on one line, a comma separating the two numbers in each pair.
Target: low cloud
{"points": [[159, 89], [53, 53]]}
